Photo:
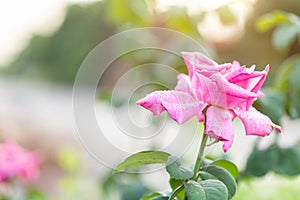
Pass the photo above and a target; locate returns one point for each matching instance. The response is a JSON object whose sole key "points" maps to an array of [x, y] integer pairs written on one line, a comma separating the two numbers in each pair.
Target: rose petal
{"points": [[201, 117], [227, 68], [219, 125], [216, 90], [197, 61], [180, 105], [183, 84], [256, 123], [247, 78]]}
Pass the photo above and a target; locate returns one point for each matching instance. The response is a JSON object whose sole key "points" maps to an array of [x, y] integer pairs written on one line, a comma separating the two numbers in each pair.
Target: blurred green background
{"points": [[58, 55]]}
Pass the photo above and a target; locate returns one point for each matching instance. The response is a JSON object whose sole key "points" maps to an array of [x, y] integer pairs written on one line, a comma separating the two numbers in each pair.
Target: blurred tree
{"points": [[58, 56], [137, 13]]}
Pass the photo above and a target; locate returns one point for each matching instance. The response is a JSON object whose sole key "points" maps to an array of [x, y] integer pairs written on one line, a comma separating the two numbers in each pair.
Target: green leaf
{"points": [[288, 161], [142, 158], [269, 20], [194, 191], [205, 175], [175, 184], [214, 189], [206, 190], [229, 166], [154, 196], [284, 35], [223, 175], [176, 171], [261, 161], [160, 198]]}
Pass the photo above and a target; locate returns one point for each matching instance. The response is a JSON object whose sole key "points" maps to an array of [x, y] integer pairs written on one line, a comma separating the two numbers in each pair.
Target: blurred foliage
{"points": [[283, 96], [226, 16], [283, 161], [20, 190], [287, 28], [76, 183], [58, 56], [128, 12], [271, 187], [272, 19], [123, 186], [137, 13], [68, 160], [288, 83], [36, 195], [271, 104], [254, 47]]}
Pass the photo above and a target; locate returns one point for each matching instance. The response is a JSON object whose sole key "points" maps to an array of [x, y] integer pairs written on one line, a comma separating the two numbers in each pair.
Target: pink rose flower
{"points": [[17, 162], [217, 93]]}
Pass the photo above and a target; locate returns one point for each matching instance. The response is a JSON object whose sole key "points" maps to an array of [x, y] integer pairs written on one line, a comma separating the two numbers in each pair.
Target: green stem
{"points": [[176, 191], [198, 160], [196, 168], [200, 155], [202, 146]]}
